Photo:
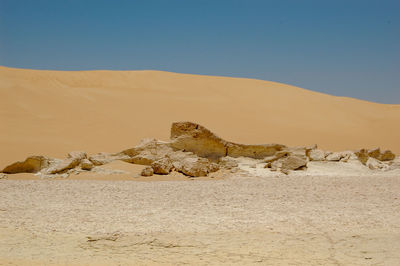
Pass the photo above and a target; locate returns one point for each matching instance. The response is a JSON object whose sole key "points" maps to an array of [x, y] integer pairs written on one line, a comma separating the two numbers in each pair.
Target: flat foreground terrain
{"points": [[307, 220]]}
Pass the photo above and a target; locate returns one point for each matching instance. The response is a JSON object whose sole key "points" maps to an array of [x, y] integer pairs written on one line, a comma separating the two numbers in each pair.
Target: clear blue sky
{"points": [[345, 48]]}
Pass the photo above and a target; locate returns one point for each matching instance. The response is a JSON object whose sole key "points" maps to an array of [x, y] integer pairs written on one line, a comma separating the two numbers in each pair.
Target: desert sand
{"points": [[292, 220], [55, 112], [334, 212]]}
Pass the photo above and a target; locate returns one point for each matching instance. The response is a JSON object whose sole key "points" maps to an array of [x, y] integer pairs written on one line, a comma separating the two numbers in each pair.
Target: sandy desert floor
{"points": [[286, 220]]}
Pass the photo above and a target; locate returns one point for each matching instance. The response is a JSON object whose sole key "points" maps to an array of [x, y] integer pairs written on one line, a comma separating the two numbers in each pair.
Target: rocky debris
{"points": [[32, 164], [387, 156], [288, 163], [342, 156], [80, 155], [227, 163], [60, 166], [162, 166], [105, 158], [333, 156], [293, 162], [316, 155], [195, 166], [381, 156], [3, 176], [374, 153], [195, 151], [347, 156], [188, 136], [364, 155], [288, 159], [86, 165], [298, 151], [147, 152], [164, 159], [147, 171], [374, 164], [276, 156]]}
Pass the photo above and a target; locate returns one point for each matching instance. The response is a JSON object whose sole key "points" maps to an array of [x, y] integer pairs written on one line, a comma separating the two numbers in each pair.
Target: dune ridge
{"points": [[53, 112]]}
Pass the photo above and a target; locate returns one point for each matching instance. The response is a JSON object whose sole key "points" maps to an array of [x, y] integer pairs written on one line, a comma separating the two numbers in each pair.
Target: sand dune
{"points": [[54, 112]]}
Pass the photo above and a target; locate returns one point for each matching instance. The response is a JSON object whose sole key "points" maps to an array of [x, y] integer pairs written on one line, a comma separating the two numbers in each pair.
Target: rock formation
{"points": [[188, 136], [195, 151], [32, 164]]}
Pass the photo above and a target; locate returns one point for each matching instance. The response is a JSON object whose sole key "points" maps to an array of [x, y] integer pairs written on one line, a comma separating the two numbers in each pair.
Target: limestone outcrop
{"points": [[32, 164], [196, 151], [188, 136], [364, 155]]}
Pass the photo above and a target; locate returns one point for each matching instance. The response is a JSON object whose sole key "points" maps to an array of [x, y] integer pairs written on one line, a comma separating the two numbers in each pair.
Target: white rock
{"points": [[334, 156], [162, 166], [147, 171], [86, 165], [317, 155]]}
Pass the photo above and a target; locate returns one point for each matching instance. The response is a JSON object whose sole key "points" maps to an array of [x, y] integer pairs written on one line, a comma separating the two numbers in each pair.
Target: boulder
{"points": [[334, 156], [147, 171], [86, 165], [288, 163], [61, 166], [147, 152], [375, 164], [316, 155], [32, 164], [347, 156], [162, 166], [362, 155], [387, 156], [374, 153], [3, 176], [292, 162], [195, 166]]}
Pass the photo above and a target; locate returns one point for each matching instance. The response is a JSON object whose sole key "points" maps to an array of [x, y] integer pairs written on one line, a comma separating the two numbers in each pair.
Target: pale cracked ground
{"points": [[293, 220]]}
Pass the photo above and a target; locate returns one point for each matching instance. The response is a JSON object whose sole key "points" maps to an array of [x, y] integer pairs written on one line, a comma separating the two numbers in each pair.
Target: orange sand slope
{"points": [[54, 112]]}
